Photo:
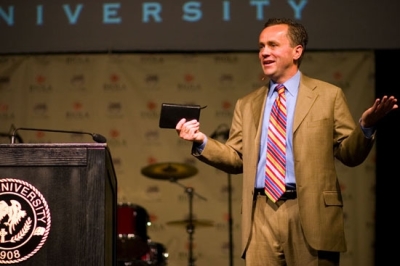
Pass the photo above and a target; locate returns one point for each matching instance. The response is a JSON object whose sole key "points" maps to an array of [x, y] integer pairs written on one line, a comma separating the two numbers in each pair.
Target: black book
{"points": [[171, 113]]}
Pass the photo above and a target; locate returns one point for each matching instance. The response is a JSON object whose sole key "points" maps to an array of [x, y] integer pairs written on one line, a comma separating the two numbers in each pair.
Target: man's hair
{"points": [[297, 33]]}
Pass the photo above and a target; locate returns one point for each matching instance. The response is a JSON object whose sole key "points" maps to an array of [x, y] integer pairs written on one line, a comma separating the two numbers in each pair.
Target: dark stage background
{"points": [[388, 159]]}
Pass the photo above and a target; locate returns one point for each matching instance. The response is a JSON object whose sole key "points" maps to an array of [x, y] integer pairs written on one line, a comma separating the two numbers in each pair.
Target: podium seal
{"points": [[24, 220]]}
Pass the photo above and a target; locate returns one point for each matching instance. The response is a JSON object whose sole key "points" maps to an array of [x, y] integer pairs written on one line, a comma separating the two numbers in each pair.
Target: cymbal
{"points": [[201, 223], [169, 170]]}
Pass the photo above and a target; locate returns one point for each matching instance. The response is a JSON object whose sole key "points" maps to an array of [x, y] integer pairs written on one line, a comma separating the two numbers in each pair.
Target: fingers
{"points": [[180, 124], [187, 129], [387, 104], [190, 127], [380, 108]]}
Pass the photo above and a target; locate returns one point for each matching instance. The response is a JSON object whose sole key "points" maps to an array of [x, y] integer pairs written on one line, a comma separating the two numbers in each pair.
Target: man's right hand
{"points": [[190, 130]]}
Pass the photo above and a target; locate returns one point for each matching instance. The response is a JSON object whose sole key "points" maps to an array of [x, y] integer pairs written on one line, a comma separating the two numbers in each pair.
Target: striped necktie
{"points": [[276, 148]]}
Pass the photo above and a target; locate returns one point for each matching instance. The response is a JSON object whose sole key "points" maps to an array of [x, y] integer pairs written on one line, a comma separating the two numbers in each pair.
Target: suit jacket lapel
{"points": [[305, 98], [257, 106]]}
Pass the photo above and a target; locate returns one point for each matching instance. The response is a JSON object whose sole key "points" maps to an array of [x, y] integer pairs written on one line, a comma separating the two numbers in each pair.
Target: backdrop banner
{"points": [[119, 96]]}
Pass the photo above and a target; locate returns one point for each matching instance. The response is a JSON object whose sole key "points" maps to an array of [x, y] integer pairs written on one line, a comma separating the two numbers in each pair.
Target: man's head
{"points": [[282, 43]]}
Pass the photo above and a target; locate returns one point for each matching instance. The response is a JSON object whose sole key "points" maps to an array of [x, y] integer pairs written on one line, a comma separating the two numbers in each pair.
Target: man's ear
{"points": [[297, 52]]}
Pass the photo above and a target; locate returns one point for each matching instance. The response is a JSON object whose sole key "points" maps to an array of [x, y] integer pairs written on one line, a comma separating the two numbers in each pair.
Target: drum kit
{"points": [[134, 246]]}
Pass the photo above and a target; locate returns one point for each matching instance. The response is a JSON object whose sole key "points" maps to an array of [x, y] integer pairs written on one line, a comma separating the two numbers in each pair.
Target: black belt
{"points": [[289, 194]]}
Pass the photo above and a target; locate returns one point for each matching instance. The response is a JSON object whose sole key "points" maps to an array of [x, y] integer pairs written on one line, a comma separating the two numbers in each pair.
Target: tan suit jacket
{"points": [[323, 130]]}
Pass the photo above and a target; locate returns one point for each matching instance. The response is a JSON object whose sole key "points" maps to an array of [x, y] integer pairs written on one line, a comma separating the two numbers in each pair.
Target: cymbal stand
{"points": [[222, 134], [190, 226]]}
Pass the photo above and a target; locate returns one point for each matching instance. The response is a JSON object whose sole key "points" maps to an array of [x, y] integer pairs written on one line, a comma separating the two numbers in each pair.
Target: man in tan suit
{"points": [[305, 226]]}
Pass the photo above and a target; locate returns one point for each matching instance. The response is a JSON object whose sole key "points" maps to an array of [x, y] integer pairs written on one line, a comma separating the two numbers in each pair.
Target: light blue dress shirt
{"points": [[292, 88]]}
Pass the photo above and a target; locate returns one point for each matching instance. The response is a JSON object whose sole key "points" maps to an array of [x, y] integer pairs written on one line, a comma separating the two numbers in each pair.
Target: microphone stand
{"points": [[230, 221], [223, 133], [96, 137], [8, 135], [190, 226]]}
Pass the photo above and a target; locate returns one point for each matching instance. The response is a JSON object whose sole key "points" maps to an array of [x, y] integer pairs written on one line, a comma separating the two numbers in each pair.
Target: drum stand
{"points": [[190, 225], [222, 134]]}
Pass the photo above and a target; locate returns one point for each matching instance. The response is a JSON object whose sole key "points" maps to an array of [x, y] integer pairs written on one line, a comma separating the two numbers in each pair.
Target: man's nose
{"points": [[264, 51]]}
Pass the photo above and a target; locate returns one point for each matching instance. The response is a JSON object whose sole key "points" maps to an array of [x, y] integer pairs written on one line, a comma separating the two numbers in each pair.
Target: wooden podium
{"points": [[57, 205]]}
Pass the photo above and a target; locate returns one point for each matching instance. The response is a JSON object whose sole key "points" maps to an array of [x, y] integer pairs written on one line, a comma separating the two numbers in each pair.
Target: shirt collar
{"points": [[292, 84]]}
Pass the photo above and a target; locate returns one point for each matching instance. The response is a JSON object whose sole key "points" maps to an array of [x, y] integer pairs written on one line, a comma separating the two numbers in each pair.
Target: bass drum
{"points": [[133, 263], [157, 255], [132, 240]]}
